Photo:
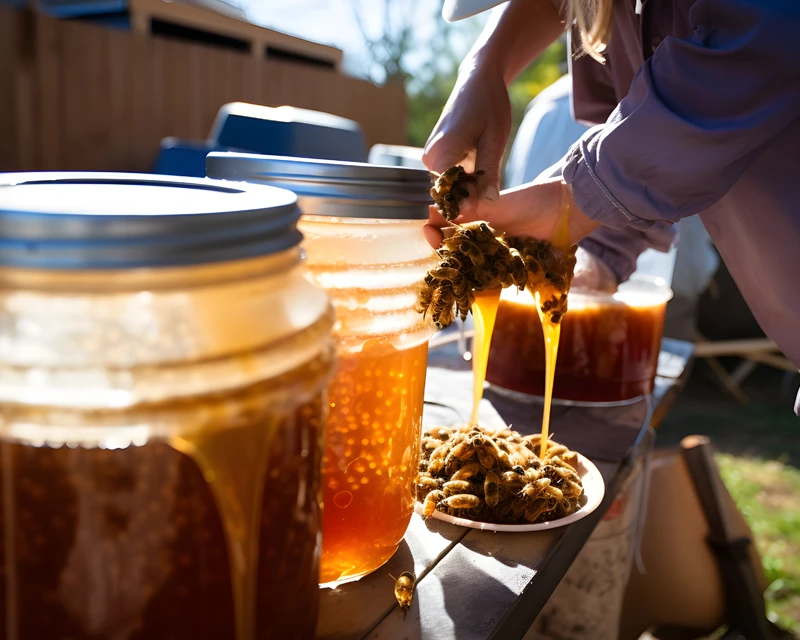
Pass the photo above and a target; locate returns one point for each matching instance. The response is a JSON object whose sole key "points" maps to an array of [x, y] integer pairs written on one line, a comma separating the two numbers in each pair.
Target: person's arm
{"points": [[617, 249], [514, 36], [698, 112], [475, 123]]}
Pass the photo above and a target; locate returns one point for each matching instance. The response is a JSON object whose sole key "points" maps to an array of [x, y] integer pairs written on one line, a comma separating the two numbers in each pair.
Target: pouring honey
{"points": [[477, 264]]}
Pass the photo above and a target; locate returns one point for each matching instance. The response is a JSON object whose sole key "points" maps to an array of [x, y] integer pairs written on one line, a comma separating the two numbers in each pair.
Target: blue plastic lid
{"points": [[125, 220]]}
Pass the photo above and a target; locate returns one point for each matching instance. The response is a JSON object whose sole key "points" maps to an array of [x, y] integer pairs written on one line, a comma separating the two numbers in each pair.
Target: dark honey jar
{"points": [[163, 362], [608, 351]]}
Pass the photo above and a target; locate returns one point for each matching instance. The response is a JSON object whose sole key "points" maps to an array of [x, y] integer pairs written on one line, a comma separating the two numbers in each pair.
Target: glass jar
{"points": [[363, 236], [163, 365], [608, 352]]}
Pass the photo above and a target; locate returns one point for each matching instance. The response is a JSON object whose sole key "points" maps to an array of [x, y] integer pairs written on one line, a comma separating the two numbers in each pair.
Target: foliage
{"points": [[767, 493], [390, 49], [426, 100], [428, 63]]}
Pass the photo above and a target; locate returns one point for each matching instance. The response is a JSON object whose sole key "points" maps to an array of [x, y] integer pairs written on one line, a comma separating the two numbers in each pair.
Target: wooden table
{"points": [[477, 585]]}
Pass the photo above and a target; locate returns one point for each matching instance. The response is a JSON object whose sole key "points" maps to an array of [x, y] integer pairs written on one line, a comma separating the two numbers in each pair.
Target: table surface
{"points": [[477, 585]]}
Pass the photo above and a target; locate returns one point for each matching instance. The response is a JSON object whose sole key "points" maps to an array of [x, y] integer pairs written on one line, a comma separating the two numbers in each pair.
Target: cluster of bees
{"points": [[473, 257], [496, 476]]}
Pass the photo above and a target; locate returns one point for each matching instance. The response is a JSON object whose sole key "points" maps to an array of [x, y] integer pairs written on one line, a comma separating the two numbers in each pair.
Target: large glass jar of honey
{"points": [[608, 351], [163, 366], [363, 235]]}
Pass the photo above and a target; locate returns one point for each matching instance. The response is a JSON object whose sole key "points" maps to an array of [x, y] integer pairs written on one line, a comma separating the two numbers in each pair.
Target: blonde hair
{"points": [[592, 20]]}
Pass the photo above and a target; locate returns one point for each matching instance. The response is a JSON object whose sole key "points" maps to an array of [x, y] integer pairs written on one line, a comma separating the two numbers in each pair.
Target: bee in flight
{"points": [[404, 590]]}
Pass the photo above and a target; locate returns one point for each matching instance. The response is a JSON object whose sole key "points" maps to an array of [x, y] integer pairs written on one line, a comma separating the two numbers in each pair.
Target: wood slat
{"points": [[492, 585], [81, 96], [50, 85], [25, 92], [352, 611], [9, 31]]}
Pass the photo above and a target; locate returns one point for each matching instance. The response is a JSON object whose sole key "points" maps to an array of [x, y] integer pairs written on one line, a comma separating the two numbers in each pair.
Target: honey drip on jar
{"points": [[484, 311], [234, 464]]}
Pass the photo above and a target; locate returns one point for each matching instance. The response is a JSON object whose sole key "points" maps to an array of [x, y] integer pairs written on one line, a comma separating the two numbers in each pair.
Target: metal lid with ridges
{"points": [[125, 220], [333, 188]]}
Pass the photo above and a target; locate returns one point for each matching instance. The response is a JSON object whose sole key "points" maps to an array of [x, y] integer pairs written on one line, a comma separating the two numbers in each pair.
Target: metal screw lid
{"points": [[124, 220], [333, 188]]}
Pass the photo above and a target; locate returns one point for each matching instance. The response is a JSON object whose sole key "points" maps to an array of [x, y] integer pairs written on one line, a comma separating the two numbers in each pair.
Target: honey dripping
{"points": [[484, 312], [551, 331], [234, 463]]}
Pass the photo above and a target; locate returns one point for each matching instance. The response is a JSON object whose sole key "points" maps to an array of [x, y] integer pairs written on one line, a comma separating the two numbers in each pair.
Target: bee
{"points": [[571, 489], [431, 500], [404, 590], [510, 478], [533, 490], [440, 433], [445, 273], [557, 467], [491, 489], [427, 482], [555, 450], [449, 191], [488, 452], [554, 492], [473, 252], [455, 486], [570, 459], [464, 296], [462, 451], [535, 510], [462, 501], [467, 471]]}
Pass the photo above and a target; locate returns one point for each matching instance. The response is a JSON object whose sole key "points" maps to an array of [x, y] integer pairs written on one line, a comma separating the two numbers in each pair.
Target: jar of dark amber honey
{"points": [[608, 351], [363, 236], [163, 362]]}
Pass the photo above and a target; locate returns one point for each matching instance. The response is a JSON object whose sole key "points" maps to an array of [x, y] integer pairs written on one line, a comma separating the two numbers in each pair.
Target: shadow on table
{"points": [[479, 592], [448, 531]]}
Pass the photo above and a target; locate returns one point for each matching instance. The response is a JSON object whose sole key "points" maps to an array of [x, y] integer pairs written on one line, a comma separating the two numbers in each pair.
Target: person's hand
{"points": [[473, 128], [533, 210]]}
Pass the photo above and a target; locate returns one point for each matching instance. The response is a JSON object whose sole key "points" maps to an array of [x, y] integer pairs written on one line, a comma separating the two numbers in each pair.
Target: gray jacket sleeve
{"points": [[620, 248], [698, 112]]}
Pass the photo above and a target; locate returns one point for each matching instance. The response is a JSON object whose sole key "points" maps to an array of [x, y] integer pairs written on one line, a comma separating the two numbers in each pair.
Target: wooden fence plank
{"points": [[80, 96]]}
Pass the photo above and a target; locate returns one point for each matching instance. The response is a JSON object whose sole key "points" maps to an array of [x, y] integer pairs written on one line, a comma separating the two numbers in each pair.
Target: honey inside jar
{"points": [[139, 540], [376, 395], [608, 349], [371, 457]]}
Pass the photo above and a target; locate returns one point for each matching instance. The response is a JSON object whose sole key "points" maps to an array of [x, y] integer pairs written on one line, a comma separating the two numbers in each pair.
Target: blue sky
{"points": [[333, 22]]}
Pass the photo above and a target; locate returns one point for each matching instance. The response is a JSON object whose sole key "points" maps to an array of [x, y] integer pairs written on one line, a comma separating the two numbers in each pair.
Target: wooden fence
{"points": [[75, 96]]}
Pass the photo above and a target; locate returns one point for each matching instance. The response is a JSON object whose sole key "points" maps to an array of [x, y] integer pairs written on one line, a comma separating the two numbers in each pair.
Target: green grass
{"points": [[767, 493]]}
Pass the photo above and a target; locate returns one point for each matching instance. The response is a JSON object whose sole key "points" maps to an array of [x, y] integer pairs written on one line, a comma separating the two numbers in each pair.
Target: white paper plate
{"points": [[593, 491]]}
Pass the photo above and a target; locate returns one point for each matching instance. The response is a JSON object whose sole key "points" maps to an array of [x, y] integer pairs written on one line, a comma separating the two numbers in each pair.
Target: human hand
{"points": [[532, 210], [473, 128]]}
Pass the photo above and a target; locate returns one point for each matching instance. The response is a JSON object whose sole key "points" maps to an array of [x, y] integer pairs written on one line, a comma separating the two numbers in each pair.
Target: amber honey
{"points": [[146, 542], [608, 349], [371, 457]]}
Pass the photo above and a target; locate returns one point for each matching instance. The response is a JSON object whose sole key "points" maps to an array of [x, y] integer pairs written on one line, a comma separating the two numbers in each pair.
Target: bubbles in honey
{"points": [[370, 453]]}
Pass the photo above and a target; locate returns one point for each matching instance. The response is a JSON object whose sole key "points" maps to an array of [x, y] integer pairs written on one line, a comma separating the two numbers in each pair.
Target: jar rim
{"points": [[333, 188], [93, 220]]}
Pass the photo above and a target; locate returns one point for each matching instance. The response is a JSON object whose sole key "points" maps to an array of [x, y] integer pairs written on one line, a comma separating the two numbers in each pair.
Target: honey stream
{"points": [[484, 311], [234, 463], [552, 332]]}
